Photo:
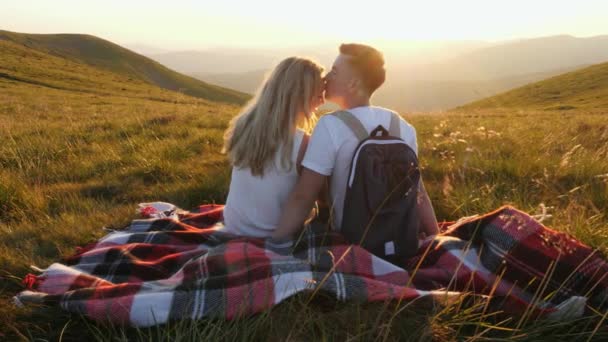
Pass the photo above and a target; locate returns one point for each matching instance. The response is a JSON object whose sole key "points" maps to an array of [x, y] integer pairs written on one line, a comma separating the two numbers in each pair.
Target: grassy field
{"points": [[72, 162]]}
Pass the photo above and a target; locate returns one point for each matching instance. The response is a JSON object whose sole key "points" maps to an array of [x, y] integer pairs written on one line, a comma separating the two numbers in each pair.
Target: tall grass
{"points": [[72, 163]]}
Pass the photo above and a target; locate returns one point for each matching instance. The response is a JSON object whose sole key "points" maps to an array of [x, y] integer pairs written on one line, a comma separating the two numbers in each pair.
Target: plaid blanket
{"points": [[158, 270]]}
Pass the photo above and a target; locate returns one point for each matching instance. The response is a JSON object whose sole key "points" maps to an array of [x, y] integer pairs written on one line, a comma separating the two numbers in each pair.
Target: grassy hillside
{"points": [[21, 66], [582, 89], [103, 54]]}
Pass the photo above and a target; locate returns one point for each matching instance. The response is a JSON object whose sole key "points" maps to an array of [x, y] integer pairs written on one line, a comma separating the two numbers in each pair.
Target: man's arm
{"points": [[428, 221], [299, 203]]}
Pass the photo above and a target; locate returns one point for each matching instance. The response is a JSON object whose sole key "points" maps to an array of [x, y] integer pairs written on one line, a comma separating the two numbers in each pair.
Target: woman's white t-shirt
{"points": [[255, 203], [332, 145]]}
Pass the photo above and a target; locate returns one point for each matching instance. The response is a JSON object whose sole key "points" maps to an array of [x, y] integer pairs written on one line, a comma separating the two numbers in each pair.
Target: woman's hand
{"points": [[314, 212]]}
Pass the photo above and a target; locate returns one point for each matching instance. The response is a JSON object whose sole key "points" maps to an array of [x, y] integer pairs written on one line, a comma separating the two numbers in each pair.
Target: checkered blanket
{"points": [[185, 266]]}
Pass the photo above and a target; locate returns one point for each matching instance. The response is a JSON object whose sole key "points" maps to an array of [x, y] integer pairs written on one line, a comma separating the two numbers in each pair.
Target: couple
{"points": [[279, 173]]}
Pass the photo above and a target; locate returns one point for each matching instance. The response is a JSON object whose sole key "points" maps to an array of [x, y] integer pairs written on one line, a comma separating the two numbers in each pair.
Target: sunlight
{"points": [[271, 22], [429, 20]]}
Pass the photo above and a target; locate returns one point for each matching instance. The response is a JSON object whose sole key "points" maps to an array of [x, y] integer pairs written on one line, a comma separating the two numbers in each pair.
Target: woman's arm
{"points": [[301, 152], [299, 204]]}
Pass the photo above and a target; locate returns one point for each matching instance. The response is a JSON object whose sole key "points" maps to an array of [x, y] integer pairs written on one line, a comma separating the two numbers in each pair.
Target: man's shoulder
{"points": [[357, 112], [334, 113], [409, 128], [391, 111], [385, 109], [394, 112], [329, 119]]}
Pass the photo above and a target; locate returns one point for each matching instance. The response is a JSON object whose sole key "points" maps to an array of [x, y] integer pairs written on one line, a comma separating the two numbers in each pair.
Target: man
{"points": [[355, 75]]}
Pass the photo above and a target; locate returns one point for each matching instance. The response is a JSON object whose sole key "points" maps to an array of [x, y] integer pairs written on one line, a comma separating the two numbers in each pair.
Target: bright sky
{"points": [[183, 24]]}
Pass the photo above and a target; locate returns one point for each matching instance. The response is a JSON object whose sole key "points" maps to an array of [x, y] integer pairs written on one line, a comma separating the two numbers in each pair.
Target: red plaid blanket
{"points": [[157, 270]]}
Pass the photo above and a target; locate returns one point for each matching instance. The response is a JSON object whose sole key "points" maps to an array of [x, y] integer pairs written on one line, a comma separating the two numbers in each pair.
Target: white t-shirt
{"points": [[332, 144], [254, 203]]}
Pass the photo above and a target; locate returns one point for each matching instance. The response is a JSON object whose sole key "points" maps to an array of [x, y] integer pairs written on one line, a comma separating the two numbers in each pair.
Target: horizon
{"points": [[186, 26], [422, 43]]}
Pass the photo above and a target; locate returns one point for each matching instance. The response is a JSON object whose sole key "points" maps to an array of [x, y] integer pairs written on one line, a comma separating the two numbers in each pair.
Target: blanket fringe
{"points": [[37, 269], [26, 297], [17, 302]]}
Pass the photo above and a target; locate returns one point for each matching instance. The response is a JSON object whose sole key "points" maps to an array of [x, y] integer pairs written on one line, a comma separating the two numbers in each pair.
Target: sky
{"points": [[189, 24]]}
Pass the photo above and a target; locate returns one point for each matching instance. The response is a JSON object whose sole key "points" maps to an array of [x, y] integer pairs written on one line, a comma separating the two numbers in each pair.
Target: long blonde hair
{"points": [[269, 121]]}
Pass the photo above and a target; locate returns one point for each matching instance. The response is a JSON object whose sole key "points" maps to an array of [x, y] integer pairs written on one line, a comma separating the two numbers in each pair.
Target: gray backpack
{"points": [[380, 204]]}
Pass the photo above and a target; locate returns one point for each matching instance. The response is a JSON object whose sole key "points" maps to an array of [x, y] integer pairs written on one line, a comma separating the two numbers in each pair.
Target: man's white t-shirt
{"points": [[332, 145], [255, 203]]}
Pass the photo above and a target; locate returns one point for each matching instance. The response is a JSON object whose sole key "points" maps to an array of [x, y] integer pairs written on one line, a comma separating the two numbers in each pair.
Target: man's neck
{"points": [[360, 102]]}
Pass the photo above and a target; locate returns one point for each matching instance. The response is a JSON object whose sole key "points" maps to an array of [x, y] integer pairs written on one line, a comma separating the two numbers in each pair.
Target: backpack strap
{"points": [[395, 127], [353, 123]]}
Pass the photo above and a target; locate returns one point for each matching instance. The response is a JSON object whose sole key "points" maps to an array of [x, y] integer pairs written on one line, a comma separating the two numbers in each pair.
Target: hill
{"points": [[29, 70], [586, 88], [106, 55]]}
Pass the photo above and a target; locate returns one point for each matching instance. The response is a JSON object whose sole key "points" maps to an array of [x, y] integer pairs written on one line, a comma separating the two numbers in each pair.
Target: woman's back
{"points": [[255, 203], [263, 140]]}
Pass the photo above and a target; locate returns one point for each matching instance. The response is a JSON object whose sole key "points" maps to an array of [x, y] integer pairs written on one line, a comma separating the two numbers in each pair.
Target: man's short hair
{"points": [[368, 62]]}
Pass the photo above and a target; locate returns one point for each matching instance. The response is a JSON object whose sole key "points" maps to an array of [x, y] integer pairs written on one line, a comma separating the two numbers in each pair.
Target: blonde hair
{"points": [[269, 121]]}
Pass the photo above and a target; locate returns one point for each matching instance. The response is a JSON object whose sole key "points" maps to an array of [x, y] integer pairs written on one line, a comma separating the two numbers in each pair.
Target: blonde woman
{"points": [[265, 144]]}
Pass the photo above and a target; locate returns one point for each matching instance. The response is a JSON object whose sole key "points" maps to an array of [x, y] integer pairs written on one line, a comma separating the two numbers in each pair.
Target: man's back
{"points": [[332, 144]]}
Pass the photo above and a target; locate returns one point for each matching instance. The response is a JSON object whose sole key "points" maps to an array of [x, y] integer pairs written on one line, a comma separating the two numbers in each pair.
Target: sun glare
{"points": [[272, 22]]}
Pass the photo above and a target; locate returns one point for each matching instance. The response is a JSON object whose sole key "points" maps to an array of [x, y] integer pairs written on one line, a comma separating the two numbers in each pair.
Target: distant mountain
{"points": [[487, 71], [238, 60], [144, 49], [436, 95], [106, 55], [522, 57], [472, 71], [247, 81], [586, 88], [404, 94], [218, 60]]}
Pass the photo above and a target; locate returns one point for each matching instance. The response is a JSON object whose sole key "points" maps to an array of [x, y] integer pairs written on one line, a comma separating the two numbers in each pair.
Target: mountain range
{"points": [[419, 78]]}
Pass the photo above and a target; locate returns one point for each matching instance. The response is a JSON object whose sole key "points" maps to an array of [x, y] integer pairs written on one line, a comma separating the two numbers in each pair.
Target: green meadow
{"points": [[80, 147]]}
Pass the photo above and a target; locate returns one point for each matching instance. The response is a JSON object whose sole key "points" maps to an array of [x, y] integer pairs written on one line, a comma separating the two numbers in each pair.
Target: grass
{"points": [[62, 180], [74, 161]]}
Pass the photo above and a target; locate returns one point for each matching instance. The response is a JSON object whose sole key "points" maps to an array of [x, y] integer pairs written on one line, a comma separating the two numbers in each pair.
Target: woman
{"points": [[265, 144]]}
